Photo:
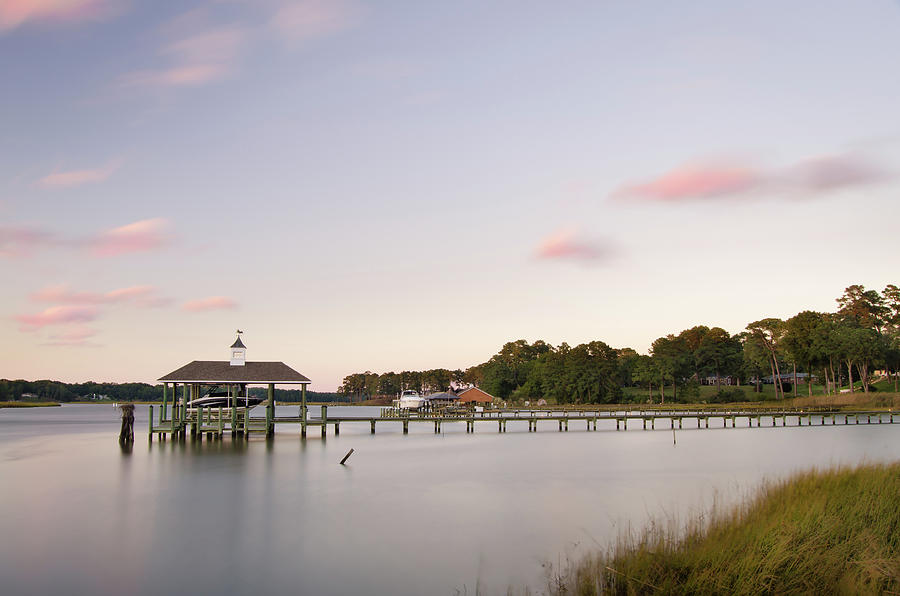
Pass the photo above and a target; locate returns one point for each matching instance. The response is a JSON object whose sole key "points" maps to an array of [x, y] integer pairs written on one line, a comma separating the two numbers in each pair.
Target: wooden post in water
{"points": [[151, 423], [126, 432], [324, 420], [372, 422]]}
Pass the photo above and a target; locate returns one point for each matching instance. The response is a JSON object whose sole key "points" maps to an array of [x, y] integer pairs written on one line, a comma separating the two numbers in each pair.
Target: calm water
{"points": [[415, 514]]}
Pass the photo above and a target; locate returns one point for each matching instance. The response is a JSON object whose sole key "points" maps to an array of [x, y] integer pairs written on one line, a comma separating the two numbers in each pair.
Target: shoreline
{"points": [[810, 533]]}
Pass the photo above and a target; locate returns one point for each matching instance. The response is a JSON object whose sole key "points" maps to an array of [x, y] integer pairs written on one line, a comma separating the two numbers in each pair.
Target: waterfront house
{"points": [[475, 396]]}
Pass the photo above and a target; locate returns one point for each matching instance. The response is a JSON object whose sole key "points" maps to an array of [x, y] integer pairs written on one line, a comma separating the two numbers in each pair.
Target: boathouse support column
{"points": [[270, 411], [162, 408], [303, 410]]}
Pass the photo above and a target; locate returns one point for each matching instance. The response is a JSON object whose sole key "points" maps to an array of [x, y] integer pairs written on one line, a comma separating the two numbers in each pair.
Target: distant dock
{"points": [[215, 422]]}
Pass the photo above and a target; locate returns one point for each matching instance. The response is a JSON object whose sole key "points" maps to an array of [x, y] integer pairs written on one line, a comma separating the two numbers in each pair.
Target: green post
{"points": [[151, 422], [233, 395], [303, 410], [162, 409], [270, 411]]}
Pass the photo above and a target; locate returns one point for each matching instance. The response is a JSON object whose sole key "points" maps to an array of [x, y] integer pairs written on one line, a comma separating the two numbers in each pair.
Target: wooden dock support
{"points": [[372, 429]]}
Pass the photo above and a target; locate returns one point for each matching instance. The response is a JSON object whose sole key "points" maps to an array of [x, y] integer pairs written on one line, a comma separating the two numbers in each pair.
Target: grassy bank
{"points": [[834, 531], [28, 404]]}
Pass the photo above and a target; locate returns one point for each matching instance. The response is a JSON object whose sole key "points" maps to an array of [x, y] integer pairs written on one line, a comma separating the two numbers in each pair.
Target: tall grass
{"points": [[819, 532], [27, 404]]}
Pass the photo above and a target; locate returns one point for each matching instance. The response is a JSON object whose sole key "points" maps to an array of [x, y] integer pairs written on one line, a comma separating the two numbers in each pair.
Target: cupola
{"points": [[238, 352]]}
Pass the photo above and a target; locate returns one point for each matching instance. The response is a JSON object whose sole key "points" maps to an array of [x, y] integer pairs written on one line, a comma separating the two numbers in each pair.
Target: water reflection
{"points": [[408, 514]]}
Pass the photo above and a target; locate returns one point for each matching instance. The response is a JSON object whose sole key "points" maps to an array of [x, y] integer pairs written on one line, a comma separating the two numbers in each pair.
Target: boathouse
{"points": [[233, 378], [474, 395]]}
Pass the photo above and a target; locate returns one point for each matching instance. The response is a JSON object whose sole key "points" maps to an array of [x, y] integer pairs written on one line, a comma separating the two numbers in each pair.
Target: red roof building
{"points": [[475, 395]]}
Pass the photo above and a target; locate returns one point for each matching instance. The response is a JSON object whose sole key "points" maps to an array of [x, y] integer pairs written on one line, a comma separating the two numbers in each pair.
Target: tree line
{"points": [[833, 349], [44, 390]]}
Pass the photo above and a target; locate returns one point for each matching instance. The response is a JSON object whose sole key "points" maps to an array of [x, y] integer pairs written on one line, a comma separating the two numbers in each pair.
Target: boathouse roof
{"points": [[238, 344], [215, 371]]}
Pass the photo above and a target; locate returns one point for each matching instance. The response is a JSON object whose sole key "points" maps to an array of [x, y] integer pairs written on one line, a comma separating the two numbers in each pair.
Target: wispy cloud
{"points": [[301, 20], [567, 244], [695, 182], [22, 241], [717, 181], [14, 13], [196, 58], [142, 296], [76, 336], [140, 236], [57, 315], [70, 178], [209, 303]]}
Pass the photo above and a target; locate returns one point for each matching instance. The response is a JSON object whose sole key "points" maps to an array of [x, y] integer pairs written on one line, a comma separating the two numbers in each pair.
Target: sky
{"points": [[409, 185]]}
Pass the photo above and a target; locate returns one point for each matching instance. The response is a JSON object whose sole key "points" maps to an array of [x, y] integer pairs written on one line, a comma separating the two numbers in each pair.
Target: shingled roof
{"points": [[238, 343], [214, 371]]}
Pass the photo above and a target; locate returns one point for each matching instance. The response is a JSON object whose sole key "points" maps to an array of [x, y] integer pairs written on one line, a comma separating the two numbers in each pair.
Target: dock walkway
{"points": [[214, 423]]}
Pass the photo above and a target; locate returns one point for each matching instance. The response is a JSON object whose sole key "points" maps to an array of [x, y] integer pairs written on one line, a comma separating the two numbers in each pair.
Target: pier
{"points": [[216, 422]]}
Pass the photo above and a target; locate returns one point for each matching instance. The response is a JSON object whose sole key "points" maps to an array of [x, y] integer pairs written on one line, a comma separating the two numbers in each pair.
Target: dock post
{"points": [[560, 425], [679, 424], [372, 422], [625, 423], [653, 423], [645, 423], [405, 426], [567, 424], [672, 423], [270, 411], [162, 407], [151, 423], [499, 425], [303, 411]]}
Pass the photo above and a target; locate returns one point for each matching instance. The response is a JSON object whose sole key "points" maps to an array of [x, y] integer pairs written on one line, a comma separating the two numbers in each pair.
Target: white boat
{"points": [[217, 398], [410, 400]]}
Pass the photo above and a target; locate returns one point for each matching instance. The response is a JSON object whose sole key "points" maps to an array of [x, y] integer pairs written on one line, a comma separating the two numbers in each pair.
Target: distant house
{"points": [[474, 395]]}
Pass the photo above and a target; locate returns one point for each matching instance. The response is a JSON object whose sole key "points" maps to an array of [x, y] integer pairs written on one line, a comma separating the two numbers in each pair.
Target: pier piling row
{"points": [[179, 421]]}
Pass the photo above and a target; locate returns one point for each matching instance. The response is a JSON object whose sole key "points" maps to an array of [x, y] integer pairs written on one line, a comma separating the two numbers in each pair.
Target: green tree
{"points": [[768, 333], [673, 361], [800, 342]]}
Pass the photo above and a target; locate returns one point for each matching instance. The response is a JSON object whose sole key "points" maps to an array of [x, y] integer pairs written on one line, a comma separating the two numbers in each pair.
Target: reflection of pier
{"points": [[216, 422]]}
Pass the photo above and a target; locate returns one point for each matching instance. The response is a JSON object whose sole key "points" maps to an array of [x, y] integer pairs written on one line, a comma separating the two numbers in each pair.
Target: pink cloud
{"points": [[814, 176], [210, 303], [22, 241], [143, 296], [695, 182], [57, 315], [140, 236], [14, 13], [78, 177], [302, 20], [565, 244]]}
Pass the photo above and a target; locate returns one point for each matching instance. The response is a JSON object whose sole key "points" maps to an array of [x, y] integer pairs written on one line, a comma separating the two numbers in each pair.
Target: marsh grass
{"points": [[835, 531], [28, 404]]}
